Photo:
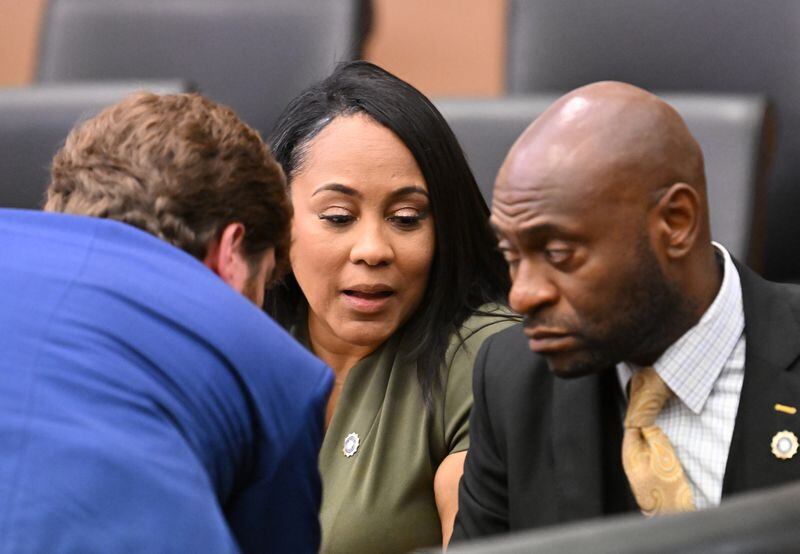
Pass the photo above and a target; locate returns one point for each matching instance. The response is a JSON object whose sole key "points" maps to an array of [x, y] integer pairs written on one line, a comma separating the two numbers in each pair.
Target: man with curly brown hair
{"points": [[186, 170], [146, 406]]}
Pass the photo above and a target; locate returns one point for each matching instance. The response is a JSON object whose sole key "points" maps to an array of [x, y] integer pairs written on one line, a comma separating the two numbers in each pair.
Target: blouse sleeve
{"points": [[458, 385]]}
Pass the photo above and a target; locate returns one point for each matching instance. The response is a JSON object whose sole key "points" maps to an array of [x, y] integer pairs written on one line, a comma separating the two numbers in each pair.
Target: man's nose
{"points": [[372, 246], [531, 289]]}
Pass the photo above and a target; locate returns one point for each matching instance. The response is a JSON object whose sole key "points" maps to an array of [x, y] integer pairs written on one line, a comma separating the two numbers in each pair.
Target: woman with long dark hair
{"points": [[395, 283]]}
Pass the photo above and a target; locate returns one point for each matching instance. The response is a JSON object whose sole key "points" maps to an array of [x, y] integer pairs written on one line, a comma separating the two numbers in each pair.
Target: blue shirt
{"points": [[146, 406]]}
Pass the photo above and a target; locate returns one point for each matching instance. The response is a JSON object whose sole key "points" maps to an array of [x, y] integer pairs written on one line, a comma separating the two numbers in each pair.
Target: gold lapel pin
{"points": [[784, 445], [791, 410]]}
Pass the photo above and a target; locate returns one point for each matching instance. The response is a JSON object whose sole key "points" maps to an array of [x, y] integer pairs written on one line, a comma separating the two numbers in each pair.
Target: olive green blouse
{"points": [[379, 498]]}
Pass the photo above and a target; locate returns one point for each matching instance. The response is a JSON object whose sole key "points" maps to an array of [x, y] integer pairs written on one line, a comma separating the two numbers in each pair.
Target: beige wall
{"points": [[443, 47], [19, 24]]}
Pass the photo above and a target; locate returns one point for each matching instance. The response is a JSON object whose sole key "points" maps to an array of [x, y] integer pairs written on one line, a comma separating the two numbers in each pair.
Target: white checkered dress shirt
{"points": [[705, 369]]}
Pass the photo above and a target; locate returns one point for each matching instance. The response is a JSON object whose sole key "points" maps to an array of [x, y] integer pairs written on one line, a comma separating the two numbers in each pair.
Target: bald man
{"points": [[652, 372]]}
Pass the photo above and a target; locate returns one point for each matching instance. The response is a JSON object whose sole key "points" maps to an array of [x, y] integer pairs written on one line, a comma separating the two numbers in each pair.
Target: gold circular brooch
{"points": [[784, 445]]}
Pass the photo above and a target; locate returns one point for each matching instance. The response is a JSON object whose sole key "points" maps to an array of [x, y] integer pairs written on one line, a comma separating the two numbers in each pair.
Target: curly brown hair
{"points": [[178, 166]]}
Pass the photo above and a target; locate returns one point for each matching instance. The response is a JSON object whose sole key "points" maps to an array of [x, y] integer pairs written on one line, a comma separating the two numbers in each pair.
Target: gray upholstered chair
{"points": [[734, 131], [252, 55], [35, 120], [750, 46], [761, 521]]}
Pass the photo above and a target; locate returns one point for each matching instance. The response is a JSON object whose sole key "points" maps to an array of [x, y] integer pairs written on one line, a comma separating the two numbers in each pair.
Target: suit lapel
{"points": [[772, 335], [577, 436]]}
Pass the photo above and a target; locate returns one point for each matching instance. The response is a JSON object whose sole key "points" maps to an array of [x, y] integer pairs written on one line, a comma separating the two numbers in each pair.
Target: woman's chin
{"points": [[366, 333]]}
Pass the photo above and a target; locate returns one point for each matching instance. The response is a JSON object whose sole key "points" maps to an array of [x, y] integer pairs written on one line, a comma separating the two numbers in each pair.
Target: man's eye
{"points": [[558, 255], [511, 256]]}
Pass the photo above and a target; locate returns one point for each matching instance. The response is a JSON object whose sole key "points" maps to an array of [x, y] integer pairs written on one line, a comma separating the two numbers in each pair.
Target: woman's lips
{"points": [[368, 300]]}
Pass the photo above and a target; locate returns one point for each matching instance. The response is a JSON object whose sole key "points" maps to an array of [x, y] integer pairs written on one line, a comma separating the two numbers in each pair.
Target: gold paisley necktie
{"points": [[654, 471]]}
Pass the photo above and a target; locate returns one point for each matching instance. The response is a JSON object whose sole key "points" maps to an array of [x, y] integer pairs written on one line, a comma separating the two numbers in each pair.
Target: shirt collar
{"points": [[692, 364]]}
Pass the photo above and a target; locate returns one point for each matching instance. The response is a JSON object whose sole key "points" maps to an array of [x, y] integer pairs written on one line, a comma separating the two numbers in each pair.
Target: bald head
{"points": [[617, 136], [600, 208]]}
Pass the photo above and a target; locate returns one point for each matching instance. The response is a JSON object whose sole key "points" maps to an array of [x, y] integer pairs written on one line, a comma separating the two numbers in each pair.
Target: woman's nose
{"points": [[372, 246]]}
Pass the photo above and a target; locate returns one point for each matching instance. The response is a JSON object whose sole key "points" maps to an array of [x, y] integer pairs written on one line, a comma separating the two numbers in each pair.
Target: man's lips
{"points": [[546, 341]]}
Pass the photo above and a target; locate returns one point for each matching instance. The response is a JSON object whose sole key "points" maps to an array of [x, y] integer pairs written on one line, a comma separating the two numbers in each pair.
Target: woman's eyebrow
{"points": [[405, 191], [338, 187], [350, 191]]}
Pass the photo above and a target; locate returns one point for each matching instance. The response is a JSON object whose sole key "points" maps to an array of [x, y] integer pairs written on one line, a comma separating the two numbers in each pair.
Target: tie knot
{"points": [[648, 394]]}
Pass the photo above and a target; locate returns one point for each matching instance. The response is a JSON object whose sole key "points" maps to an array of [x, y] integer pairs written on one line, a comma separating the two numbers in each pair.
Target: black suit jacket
{"points": [[546, 450]]}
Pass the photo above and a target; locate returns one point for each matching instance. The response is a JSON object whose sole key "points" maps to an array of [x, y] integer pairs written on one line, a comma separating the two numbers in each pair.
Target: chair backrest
{"points": [[760, 521], [750, 46], [733, 131], [252, 55], [35, 120]]}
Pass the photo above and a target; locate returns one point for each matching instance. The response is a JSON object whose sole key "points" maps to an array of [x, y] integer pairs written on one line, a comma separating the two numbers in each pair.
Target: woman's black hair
{"points": [[467, 269]]}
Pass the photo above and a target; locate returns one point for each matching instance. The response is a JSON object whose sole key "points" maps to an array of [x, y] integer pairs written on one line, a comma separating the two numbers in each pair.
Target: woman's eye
{"points": [[336, 218], [407, 219]]}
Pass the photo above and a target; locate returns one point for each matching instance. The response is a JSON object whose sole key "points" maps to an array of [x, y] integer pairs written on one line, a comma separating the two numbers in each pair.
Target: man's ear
{"points": [[226, 257], [679, 220]]}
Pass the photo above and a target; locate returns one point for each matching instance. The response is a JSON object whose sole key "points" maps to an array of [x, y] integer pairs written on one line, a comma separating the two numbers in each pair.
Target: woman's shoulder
{"points": [[456, 398], [484, 322]]}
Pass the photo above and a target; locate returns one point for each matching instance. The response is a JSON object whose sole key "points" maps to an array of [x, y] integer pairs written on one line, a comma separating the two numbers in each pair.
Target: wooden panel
{"points": [[19, 33], [442, 47]]}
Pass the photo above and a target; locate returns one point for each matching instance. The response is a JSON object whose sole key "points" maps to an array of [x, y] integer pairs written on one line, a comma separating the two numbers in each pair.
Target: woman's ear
{"points": [[226, 257], [678, 220]]}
